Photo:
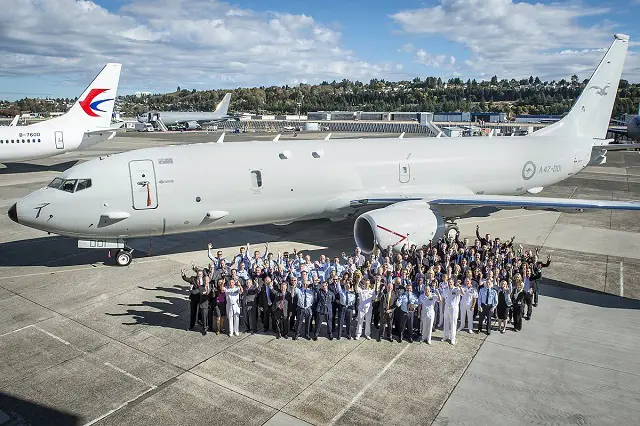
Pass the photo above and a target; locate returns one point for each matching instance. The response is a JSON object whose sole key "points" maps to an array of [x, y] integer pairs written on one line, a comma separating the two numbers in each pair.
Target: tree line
{"points": [[525, 96]]}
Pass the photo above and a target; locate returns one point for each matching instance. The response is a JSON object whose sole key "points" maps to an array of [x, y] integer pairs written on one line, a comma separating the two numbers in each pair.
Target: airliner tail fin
{"points": [[94, 108], [590, 114], [223, 106]]}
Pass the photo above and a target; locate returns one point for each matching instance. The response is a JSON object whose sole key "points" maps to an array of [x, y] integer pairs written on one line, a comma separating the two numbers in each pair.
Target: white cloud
{"points": [[436, 61], [166, 43], [514, 39]]}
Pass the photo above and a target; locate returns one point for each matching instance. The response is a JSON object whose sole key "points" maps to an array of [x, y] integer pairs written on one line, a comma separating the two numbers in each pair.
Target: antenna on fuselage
{"points": [[326, 138], [277, 138], [401, 135]]}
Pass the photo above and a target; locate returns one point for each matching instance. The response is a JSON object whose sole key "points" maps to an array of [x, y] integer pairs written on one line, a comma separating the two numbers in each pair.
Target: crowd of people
{"points": [[405, 295]]}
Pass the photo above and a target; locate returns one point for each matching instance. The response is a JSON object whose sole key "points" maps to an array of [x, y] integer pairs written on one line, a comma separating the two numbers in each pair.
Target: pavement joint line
{"points": [[111, 339], [19, 329], [62, 271], [464, 372], [316, 379], [621, 280], [366, 387], [107, 414], [568, 359], [90, 355]]}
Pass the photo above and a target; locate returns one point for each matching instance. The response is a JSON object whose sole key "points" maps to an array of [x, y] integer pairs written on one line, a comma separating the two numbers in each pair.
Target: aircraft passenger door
{"points": [[59, 139], [405, 172], [143, 184]]}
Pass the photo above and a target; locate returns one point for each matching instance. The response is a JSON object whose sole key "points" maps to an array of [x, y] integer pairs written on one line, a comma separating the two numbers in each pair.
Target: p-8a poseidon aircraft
{"points": [[85, 124], [398, 189]]}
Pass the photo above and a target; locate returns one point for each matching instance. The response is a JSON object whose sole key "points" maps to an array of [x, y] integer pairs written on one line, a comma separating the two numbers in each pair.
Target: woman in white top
{"points": [[233, 307], [366, 296], [427, 313]]}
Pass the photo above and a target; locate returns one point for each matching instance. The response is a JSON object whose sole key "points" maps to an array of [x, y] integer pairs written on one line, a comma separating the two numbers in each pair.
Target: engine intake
{"points": [[396, 225]]}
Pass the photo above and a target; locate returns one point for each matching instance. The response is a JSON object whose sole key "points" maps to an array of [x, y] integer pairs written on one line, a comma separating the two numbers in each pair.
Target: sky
{"points": [[54, 48]]}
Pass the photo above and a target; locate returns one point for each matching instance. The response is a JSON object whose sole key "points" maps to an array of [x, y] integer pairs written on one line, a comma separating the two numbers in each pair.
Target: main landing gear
{"points": [[451, 231], [124, 256]]}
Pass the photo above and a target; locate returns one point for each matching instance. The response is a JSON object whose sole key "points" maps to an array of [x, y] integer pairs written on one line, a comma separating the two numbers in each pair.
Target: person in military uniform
{"points": [[348, 302], [324, 307], [427, 313], [407, 302], [305, 297]]}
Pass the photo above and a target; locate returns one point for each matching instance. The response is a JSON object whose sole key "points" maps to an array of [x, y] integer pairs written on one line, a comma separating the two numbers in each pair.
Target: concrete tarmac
{"points": [[83, 342]]}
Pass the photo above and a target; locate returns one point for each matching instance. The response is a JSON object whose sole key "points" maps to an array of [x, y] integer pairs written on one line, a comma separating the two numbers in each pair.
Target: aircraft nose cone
{"points": [[13, 213]]}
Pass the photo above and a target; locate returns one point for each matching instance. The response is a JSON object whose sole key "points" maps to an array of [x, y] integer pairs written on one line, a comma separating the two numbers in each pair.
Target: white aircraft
{"points": [[190, 120], [85, 124], [402, 189]]}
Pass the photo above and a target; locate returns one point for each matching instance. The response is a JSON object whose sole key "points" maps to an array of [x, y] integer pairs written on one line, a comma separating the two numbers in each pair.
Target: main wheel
{"points": [[451, 232], [123, 258]]}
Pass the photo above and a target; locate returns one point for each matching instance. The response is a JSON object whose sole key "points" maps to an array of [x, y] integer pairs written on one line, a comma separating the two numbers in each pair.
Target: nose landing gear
{"points": [[451, 231], [124, 256]]}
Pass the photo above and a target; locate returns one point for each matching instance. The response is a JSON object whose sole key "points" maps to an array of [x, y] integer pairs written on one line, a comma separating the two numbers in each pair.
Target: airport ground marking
{"points": [[366, 387]]}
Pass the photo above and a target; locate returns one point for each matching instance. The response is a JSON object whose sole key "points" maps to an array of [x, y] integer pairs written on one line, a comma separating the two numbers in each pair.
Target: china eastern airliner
{"points": [[85, 124], [399, 190]]}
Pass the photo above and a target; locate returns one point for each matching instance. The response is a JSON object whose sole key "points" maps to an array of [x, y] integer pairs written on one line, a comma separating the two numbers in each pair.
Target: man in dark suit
{"points": [[250, 306], [266, 296], [281, 310], [387, 306], [324, 306], [196, 290]]}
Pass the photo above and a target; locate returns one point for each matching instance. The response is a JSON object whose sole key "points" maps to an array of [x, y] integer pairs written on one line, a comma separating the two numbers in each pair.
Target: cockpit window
{"points": [[56, 183], [69, 185], [83, 184]]}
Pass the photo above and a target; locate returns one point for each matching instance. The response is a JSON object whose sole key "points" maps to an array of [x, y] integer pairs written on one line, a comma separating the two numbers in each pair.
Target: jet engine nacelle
{"points": [[191, 125], [397, 225]]}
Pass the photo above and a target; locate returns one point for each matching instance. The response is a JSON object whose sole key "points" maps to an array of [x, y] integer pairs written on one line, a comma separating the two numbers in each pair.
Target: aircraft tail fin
{"points": [[94, 108], [223, 106], [590, 114]]}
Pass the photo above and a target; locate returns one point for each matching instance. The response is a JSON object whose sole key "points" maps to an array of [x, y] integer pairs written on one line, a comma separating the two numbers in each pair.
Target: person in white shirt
{"points": [[427, 313], [452, 297], [467, 303], [233, 307], [443, 289], [366, 296]]}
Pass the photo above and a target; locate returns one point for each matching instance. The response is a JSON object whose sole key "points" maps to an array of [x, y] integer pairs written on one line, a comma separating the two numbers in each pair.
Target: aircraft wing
{"points": [[619, 147], [619, 131], [452, 205]]}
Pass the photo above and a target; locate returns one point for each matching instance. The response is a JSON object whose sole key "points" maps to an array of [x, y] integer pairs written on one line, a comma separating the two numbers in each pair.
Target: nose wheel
{"points": [[124, 257]]}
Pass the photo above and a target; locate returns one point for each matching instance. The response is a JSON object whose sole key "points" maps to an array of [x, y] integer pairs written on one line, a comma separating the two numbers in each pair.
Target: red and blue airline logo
{"points": [[90, 106]]}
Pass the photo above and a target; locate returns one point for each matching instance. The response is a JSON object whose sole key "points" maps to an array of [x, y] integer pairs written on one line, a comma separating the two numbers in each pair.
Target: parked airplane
{"points": [[402, 189], [189, 120], [633, 128], [85, 124]]}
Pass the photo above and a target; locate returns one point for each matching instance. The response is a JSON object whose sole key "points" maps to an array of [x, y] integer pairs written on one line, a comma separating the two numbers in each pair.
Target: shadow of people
{"points": [[565, 291], [164, 311], [22, 411]]}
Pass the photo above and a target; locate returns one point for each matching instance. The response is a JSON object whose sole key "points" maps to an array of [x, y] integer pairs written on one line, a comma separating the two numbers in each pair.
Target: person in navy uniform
{"points": [[324, 306], [348, 302], [407, 302], [281, 310], [387, 306], [306, 298]]}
